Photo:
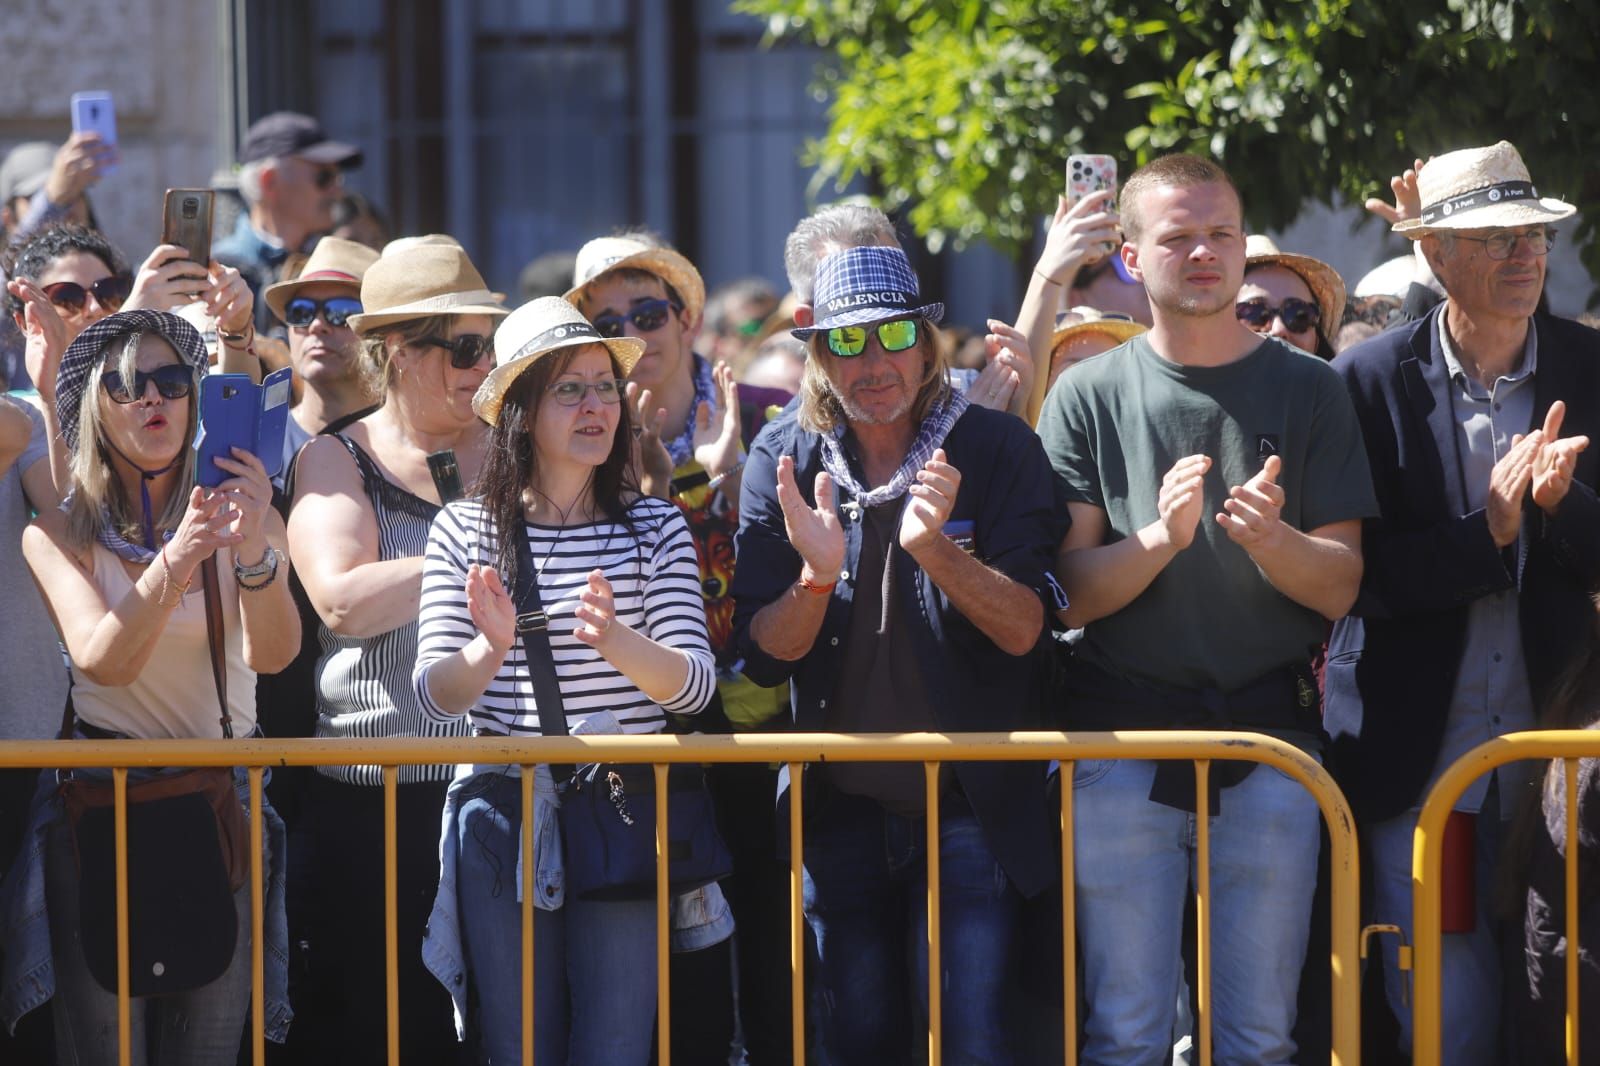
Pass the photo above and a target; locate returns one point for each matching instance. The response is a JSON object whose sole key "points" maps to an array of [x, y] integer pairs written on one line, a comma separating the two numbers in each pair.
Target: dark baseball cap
{"points": [[290, 133]]}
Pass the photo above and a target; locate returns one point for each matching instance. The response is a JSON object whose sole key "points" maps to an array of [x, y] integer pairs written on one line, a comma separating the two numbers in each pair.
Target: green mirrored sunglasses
{"points": [[847, 342]]}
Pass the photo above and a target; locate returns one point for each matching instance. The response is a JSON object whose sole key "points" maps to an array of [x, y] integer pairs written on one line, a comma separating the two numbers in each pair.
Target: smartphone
{"points": [[1089, 174], [186, 221], [237, 413], [446, 475], [93, 112]]}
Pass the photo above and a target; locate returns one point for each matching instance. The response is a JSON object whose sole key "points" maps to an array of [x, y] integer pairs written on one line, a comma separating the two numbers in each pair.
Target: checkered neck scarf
{"points": [[682, 449], [935, 428]]}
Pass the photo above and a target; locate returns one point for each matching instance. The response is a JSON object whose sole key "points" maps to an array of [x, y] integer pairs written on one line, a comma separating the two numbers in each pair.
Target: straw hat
{"points": [[605, 254], [420, 281], [334, 260], [89, 348], [536, 329], [1326, 286], [1118, 327], [1476, 188]]}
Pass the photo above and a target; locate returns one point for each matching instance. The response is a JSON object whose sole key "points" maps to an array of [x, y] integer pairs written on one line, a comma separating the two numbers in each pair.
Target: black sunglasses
{"points": [[647, 316], [173, 381], [109, 293], [1298, 315], [465, 351], [335, 311]]}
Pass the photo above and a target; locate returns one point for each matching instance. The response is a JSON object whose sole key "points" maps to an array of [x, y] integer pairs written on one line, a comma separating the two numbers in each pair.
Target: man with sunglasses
{"points": [[1216, 483], [324, 351], [894, 545], [1480, 569], [292, 178]]}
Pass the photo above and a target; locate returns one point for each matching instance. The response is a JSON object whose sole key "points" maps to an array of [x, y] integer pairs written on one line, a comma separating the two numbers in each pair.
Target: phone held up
{"points": [[1089, 174], [93, 112], [186, 221]]}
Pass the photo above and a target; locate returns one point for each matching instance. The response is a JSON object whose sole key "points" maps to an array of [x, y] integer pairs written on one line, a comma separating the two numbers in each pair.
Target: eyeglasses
{"points": [[465, 351], [71, 297], [1499, 245], [173, 381], [847, 342], [1297, 315], [335, 311], [571, 393], [646, 316]]}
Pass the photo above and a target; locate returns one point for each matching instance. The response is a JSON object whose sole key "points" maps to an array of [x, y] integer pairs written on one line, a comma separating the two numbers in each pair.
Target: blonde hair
{"points": [[377, 368], [97, 492], [820, 408]]}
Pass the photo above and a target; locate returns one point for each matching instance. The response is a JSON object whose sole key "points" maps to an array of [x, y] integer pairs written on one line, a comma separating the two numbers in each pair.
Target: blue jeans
{"points": [[198, 1028], [866, 900], [594, 964], [1469, 962], [1136, 859]]}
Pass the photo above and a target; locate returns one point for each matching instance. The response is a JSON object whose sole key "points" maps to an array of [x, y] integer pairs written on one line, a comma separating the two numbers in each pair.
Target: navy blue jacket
{"points": [[1392, 663], [1007, 492]]}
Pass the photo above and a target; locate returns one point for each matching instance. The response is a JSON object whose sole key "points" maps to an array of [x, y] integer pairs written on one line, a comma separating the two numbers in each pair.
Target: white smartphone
{"points": [[94, 112]]}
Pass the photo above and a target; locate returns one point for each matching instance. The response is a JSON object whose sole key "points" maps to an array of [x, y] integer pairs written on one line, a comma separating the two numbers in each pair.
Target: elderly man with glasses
{"points": [[1480, 568]]}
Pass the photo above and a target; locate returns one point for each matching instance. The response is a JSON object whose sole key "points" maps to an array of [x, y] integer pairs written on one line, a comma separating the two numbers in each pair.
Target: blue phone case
{"points": [[237, 413]]}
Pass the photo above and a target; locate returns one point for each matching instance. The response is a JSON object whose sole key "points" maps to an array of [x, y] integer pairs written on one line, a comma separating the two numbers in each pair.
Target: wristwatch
{"points": [[267, 565]]}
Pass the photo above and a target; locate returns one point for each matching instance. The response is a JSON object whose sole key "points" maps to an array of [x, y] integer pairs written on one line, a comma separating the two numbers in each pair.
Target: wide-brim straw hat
{"points": [[1079, 320], [333, 261], [1327, 287], [605, 254], [533, 331], [419, 282], [1480, 188], [89, 349]]}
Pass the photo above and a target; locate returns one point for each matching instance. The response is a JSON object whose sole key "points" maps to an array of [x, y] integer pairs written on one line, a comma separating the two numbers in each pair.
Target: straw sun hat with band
{"points": [[1327, 287], [334, 261], [421, 281], [1480, 188], [606, 254], [534, 330]]}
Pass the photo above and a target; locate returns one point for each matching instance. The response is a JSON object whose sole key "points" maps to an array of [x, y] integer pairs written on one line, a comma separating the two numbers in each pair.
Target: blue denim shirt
{"points": [[258, 260], [1007, 494], [27, 967]]}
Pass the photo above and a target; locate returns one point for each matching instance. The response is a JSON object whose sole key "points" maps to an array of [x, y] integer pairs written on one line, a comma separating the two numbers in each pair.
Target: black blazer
{"points": [[1392, 663]]}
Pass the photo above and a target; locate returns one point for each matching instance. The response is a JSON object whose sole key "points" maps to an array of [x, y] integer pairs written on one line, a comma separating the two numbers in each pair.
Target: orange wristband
{"points": [[811, 586]]}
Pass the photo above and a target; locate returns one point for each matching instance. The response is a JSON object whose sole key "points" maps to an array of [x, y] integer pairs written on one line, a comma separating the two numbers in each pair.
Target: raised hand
{"points": [[717, 441], [1252, 514], [1553, 467], [1181, 499], [933, 497], [995, 386], [651, 459], [1508, 484], [250, 492], [167, 279], [597, 611], [207, 525], [1079, 234], [1407, 199], [77, 166], [492, 610], [46, 336], [815, 532], [1009, 370], [228, 299]]}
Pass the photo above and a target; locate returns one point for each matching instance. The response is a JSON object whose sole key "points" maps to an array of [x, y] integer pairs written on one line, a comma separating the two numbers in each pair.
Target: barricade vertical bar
{"points": [[119, 800], [391, 912], [930, 771], [663, 923], [1069, 919], [797, 936], [527, 778], [1573, 947], [1202, 956], [258, 1019]]}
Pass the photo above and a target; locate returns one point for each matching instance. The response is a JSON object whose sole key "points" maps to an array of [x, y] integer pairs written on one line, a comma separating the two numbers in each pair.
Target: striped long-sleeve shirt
{"points": [[656, 585]]}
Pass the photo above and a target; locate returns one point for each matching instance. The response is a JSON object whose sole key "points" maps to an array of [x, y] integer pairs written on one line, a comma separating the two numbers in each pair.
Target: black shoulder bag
{"points": [[608, 810], [188, 852]]}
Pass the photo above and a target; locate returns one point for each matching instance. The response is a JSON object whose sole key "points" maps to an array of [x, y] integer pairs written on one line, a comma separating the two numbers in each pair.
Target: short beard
{"points": [[858, 416]]}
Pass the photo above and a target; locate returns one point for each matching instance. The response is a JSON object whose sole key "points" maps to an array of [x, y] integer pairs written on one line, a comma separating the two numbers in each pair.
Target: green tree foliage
{"points": [[963, 112]]}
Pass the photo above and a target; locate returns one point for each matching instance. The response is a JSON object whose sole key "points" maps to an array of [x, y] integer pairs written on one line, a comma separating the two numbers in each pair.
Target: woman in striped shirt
{"points": [[618, 579]]}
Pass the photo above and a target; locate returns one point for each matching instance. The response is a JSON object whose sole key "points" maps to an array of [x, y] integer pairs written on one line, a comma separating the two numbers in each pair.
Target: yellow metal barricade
{"points": [[1427, 857], [793, 749]]}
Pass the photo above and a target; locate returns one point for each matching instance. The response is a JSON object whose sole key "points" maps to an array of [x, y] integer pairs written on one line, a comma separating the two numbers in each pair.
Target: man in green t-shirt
{"points": [[1216, 483]]}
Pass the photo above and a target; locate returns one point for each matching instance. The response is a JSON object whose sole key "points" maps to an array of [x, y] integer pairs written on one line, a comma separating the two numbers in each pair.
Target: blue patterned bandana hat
{"points": [[858, 286]]}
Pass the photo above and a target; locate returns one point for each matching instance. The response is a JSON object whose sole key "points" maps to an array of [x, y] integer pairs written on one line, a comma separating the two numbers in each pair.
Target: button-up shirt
{"points": [[1492, 694]]}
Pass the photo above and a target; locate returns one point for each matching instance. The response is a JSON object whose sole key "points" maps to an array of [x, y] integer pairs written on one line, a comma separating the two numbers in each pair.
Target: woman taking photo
{"points": [[617, 577], [363, 502], [120, 567]]}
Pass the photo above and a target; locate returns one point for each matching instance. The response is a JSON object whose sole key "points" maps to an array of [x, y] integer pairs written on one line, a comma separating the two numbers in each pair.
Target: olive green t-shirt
{"points": [[1115, 424]]}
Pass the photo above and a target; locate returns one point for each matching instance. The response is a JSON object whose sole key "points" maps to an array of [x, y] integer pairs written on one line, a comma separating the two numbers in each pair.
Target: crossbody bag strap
{"points": [[214, 638], [533, 628]]}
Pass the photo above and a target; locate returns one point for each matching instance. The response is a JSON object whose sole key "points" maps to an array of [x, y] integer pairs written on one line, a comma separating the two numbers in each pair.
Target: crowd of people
{"points": [[1198, 483]]}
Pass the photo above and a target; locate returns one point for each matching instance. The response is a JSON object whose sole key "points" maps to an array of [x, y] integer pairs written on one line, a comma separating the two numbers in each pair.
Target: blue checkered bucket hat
{"points": [[863, 285], [93, 344]]}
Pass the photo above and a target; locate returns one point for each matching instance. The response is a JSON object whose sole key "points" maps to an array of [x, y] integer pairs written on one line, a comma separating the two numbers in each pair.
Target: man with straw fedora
{"points": [[1479, 569]]}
